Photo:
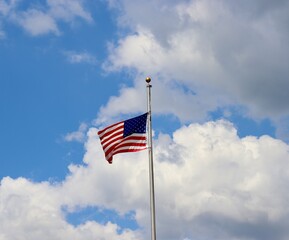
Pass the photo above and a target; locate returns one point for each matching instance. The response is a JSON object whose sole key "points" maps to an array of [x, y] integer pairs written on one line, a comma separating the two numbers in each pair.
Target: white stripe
{"points": [[109, 141], [111, 128], [129, 147], [111, 144], [125, 140], [120, 143], [106, 138], [125, 148], [132, 141]]}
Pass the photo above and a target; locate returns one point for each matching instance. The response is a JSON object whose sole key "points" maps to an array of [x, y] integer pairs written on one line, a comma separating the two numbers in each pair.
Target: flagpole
{"points": [[151, 168]]}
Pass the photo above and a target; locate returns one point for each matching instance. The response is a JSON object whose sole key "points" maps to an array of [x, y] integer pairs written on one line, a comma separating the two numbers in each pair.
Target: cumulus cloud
{"points": [[33, 211], [210, 184], [78, 136], [221, 53], [43, 19]]}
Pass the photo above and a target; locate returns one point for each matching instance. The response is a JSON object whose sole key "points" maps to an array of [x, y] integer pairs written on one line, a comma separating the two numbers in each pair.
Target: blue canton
{"points": [[135, 125]]}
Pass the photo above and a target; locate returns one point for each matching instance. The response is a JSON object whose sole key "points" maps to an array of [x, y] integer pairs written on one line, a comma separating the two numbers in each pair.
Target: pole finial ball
{"points": [[148, 79]]}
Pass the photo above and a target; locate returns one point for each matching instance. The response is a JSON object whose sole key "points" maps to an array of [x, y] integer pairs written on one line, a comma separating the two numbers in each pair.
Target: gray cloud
{"points": [[225, 53]]}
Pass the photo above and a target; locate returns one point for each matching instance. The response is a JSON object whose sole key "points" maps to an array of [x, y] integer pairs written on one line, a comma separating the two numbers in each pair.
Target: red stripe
{"points": [[103, 141], [110, 132], [128, 150], [103, 130], [127, 140], [129, 147], [134, 137], [104, 145], [124, 143], [111, 147]]}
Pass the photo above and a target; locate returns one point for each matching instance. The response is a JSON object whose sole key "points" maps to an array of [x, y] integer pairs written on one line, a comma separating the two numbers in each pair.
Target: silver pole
{"points": [[151, 168]]}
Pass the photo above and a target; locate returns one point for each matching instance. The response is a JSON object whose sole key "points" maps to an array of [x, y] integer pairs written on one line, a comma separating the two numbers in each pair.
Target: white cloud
{"points": [[68, 10], [168, 98], [80, 57], [223, 53], [33, 211], [43, 19], [37, 23], [78, 135], [205, 176], [210, 184]]}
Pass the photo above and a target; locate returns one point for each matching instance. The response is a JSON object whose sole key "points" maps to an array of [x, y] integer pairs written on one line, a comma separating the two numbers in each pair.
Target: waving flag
{"points": [[125, 136]]}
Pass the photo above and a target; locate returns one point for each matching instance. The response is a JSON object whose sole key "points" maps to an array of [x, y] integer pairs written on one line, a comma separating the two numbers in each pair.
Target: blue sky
{"points": [[44, 94], [220, 118]]}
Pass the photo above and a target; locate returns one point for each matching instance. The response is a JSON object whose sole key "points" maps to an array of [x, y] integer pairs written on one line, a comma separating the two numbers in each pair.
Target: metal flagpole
{"points": [[151, 168]]}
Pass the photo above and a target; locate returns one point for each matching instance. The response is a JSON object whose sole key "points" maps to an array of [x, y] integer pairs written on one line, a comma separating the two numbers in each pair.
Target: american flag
{"points": [[125, 136]]}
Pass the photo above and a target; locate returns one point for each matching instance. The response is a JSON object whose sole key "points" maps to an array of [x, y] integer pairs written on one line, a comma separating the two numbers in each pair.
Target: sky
{"points": [[220, 120]]}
